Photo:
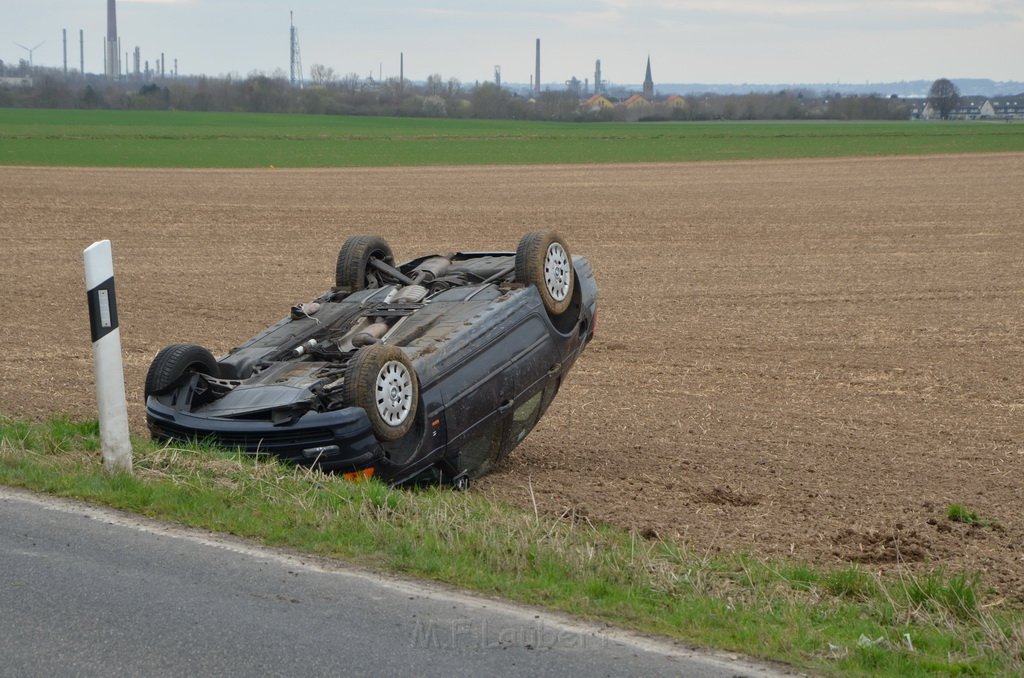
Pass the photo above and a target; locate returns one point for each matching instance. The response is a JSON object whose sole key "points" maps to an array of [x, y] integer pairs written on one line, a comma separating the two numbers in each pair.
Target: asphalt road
{"points": [[88, 591]]}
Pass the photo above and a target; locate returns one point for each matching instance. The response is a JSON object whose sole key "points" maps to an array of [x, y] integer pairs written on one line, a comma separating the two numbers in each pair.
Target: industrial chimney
{"points": [[537, 80], [113, 53]]}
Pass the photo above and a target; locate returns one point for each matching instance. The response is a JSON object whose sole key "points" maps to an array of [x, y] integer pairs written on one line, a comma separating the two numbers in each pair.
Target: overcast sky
{"points": [[706, 41]]}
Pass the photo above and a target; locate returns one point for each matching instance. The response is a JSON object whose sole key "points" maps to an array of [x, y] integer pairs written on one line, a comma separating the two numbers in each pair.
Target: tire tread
{"points": [[174, 362]]}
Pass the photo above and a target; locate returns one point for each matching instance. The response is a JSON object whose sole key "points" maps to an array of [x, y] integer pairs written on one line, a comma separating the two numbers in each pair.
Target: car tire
{"points": [[175, 362], [381, 380], [353, 270], [543, 260]]}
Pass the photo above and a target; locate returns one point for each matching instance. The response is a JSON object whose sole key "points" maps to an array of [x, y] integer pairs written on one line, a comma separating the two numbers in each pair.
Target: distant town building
{"points": [[636, 102], [1006, 109], [648, 82], [675, 101], [597, 103], [977, 108]]}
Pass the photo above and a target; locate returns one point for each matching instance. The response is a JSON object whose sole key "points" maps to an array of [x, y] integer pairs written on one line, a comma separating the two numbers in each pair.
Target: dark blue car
{"points": [[429, 370]]}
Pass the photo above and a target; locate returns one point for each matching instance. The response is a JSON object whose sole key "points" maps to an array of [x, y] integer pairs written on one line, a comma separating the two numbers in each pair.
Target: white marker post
{"points": [[106, 353]]}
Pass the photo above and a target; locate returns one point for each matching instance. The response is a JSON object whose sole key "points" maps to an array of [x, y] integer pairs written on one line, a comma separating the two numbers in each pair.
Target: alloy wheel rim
{"points": [[394, 393], [557, 275]]}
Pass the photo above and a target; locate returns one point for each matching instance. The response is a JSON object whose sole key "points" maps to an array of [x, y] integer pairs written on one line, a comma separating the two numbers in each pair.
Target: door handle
{"points": [[505, 407], [554, 369]]}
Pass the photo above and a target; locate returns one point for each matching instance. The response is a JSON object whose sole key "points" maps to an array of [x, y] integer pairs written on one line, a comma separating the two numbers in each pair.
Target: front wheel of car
{"points": [[175, 362], [543, 260], [354, 270], [381, 380]]}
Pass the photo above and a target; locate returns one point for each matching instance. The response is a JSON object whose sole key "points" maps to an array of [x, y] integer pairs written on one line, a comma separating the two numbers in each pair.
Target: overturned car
{"points": [[429, 370]]}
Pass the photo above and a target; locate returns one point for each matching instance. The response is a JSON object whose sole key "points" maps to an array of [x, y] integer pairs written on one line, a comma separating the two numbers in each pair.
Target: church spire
{"points": [[648, 81]]}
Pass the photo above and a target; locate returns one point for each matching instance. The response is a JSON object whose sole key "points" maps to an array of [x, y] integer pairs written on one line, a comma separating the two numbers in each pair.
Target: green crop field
{"points": [[238, 140]]}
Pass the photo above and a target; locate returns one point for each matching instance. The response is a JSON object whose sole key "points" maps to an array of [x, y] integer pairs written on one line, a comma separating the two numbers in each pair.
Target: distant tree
{"points": [[489, 101], [180, 95], [350, 83], [433, 106], [261, 94], [435, 85], [203, 97], [51, 91], [322, 75], [558, 105], [438, 96], [152, 97], [943, 97], [313, 100], [390, 94]]}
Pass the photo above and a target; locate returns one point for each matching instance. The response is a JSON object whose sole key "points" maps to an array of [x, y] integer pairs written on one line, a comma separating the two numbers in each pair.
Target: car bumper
{"points": [[341, 440]]}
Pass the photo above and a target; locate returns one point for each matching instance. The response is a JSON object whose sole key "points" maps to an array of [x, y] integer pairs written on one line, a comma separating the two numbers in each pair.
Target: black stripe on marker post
{"points": [[102, 309]]}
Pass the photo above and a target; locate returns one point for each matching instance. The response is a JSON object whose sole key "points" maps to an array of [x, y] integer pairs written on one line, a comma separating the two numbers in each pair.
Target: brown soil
{"points": [[794, 358]]}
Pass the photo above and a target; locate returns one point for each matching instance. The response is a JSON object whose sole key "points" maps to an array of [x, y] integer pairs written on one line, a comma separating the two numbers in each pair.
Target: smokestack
{"points": [[81, 52], [65, 35], [111, 20], [401, 71], [597, 77], [112, 53], [537, 80]]}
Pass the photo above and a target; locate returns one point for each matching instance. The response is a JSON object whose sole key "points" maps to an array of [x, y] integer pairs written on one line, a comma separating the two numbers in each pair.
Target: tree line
{"points": [[328, 94]]}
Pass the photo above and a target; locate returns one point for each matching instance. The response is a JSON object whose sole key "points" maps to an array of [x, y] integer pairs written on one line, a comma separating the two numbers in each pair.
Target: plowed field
{"points": [[794, 358]]}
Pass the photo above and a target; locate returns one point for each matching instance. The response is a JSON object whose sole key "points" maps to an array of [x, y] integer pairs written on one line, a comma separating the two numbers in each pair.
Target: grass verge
{"points": [[846, 621]]}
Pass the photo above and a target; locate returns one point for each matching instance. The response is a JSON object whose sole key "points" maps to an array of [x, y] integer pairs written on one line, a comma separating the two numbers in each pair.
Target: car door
{"points": [[480, 399]]}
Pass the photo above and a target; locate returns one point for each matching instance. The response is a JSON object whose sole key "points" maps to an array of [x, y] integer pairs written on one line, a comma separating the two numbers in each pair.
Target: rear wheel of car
{"points": [[354, 270], [543, 260], [381, 380], [174, 363]]}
